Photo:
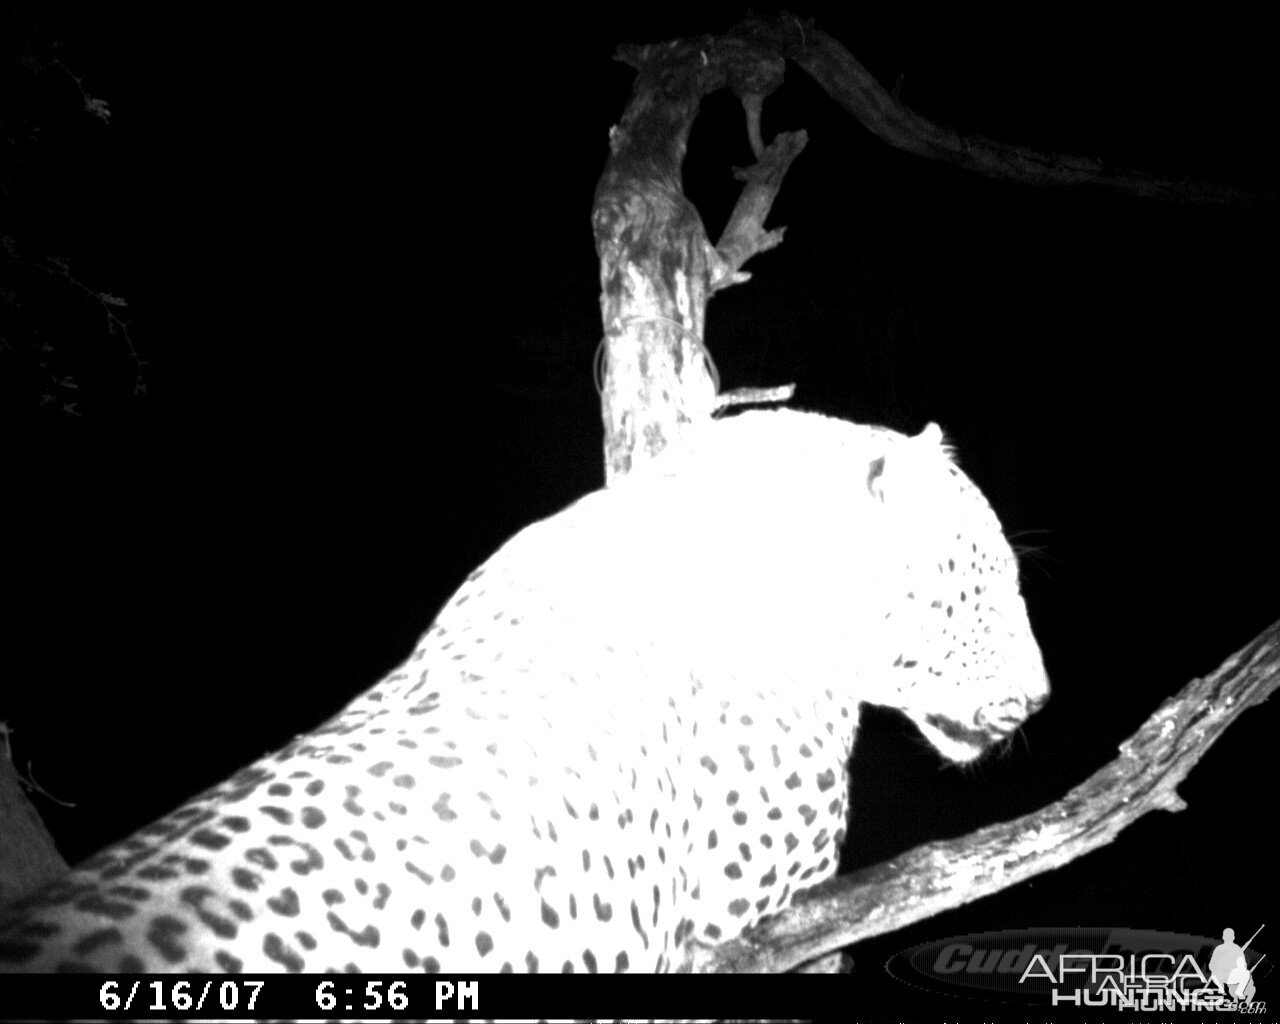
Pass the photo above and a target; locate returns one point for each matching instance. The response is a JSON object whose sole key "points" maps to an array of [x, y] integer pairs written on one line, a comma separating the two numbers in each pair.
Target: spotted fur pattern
{"points": [[627, 731]]}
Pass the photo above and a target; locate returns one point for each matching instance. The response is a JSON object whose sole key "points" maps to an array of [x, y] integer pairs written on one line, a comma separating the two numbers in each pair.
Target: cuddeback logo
{"points": [[1092, 967]]}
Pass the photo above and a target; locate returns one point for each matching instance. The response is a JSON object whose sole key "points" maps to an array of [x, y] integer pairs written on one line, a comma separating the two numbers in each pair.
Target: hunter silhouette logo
{"points": [[1229, 969]]}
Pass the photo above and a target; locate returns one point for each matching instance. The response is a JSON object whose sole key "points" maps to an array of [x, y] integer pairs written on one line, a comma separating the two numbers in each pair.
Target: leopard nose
{"points": [[1035, 687]]}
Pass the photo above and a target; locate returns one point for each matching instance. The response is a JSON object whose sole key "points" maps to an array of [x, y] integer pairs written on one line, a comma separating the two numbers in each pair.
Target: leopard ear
{"points": [[932, 434], [933, 437]]}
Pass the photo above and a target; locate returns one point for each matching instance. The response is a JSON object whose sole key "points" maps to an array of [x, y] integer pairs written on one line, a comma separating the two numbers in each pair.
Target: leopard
{"points": [[625, 738]]}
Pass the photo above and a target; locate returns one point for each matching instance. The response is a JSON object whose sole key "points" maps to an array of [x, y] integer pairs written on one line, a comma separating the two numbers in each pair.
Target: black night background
{"points": [[355, 245]]}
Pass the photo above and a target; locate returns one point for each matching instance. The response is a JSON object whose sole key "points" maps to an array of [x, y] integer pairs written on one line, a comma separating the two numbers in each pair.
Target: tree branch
{"points": [[851, 85]]}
